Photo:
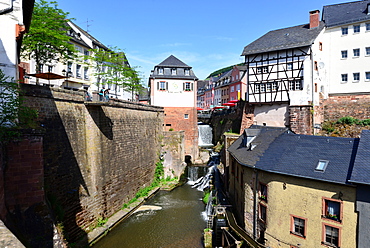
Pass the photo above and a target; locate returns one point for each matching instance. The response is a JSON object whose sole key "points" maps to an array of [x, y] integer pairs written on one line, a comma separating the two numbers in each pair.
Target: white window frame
{"points": [[367, 76], [356, 52], [344, 31], [356, 29], [367, 51], [344, 54], [344, 76], [356, 77]]}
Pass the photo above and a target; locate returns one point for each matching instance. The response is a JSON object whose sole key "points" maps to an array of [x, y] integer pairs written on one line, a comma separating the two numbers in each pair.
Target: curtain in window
{"points": [[333, 208]]}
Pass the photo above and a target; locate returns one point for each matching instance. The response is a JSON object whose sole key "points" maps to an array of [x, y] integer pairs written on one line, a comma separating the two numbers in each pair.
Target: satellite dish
{"points": [[321, 65]]}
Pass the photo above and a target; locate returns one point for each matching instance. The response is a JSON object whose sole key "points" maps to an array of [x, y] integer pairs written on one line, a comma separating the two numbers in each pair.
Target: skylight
{"points": [[321, 165]]}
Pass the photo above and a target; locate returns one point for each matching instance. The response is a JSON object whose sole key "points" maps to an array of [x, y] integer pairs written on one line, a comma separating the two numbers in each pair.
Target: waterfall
{"points": [[205, 136]]}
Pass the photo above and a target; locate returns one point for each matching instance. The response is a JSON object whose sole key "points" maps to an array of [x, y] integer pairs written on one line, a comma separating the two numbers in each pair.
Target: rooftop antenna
{"points": [[87, 24]]}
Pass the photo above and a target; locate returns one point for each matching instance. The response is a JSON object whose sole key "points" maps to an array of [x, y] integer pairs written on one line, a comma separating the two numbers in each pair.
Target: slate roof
{"points": [[298, 155], [94, 40], [172, 61], [361, 168], [345, 13], [264, 137], [286, 38]]}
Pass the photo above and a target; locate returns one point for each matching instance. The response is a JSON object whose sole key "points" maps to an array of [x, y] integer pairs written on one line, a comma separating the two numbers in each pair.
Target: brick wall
{"points": [[300, 119], [96, 155], [175, 119]]}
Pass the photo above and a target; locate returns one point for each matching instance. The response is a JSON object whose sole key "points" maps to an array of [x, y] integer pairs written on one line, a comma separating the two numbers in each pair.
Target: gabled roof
{"points": [[345, 13], [264, 137], [286, 38], [172, 61], [298, 155], [93, 39], [361, 168]]}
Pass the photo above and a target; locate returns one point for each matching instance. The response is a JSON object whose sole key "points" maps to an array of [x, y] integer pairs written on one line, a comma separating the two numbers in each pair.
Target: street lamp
{"points": [[67, 74]]}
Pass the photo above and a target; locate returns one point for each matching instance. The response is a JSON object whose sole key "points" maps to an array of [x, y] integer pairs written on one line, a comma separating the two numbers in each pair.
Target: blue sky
{"points": [[207, 35]]}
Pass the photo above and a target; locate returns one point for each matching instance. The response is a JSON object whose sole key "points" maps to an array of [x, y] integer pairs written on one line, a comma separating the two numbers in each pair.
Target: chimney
{"points": [[314, 18]]}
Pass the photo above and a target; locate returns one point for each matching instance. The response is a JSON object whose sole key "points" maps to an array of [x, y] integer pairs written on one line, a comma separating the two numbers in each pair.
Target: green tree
{"points": [[47, 41], [112, 68], [13, 114]]}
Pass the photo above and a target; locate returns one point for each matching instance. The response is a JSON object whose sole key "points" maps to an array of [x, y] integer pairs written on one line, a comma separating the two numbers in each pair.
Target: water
{"points": [[205, 136], [178, 224]]}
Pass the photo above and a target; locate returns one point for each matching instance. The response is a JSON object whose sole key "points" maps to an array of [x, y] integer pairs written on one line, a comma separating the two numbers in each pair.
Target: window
{"points": [[367, 75], [173, 71], [259, 70], [162, 85], [345, 31], [263, 212], [86, 54], [367, 51], [86, 73], [263, 88], [69, 69], [78, 71], [268, 87], [331, 236], [344, 78], [237, 87], [320, 46], [356, 52], [321, 165], [295, 85], [257, 88], [264, 69], [263, 192], [356, 29], [315, 66], [298, 226], [289, 66], [187, 72], [274, 86], [50, 68], [367, 26], [186, 116], [188, 86], [160, 71], [332, 209], [356, 76], [344, 54]]}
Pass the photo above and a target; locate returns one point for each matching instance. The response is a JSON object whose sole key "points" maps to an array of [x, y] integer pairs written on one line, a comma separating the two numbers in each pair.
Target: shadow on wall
{"points": [[102, 121], [63, 179]]}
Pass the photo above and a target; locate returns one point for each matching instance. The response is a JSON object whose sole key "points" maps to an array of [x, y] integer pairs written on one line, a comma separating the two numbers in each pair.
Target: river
{"points": [[178, 224]]}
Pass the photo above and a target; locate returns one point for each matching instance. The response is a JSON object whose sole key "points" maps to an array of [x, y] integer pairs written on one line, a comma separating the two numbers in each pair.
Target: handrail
{"points": [[240, 232]]}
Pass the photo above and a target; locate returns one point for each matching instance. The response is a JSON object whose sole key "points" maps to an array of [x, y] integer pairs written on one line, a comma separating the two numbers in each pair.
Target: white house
{"points": [[15, 19], [173, 85], [346, 45]]}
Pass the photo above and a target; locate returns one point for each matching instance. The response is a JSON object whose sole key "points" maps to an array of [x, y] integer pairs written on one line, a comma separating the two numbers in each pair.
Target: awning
{"points": [[233, 101], [199, 108], [229, 104], [47, 75]]}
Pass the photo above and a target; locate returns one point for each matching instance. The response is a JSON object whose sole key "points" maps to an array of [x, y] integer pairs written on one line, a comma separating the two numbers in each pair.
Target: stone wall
{"points": [[337, 106], [173, 153], [96, 155]]}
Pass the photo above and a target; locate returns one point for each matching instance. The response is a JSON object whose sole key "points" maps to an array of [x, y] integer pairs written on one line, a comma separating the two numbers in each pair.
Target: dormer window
{"points": [[173, 71], [368, 9], [187, 72], [160, 71]]}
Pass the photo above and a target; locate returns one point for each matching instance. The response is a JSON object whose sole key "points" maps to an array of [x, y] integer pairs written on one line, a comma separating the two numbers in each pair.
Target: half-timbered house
{"points": [[282, 74]]}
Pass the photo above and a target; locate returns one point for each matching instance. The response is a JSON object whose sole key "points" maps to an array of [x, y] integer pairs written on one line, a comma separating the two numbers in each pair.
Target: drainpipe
{"points": [[7, 10], [255, 205], [313, 94]]}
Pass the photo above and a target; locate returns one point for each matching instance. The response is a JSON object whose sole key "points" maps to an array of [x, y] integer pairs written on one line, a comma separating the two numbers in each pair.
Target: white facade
{"points": [[173, 93], [348, 58], [11, 16], [81, 71]]}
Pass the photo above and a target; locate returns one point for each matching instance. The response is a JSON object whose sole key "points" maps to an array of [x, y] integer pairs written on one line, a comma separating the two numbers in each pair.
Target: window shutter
{"points": [[166, 85], [158, 85], [191, 86], [183, 86]]}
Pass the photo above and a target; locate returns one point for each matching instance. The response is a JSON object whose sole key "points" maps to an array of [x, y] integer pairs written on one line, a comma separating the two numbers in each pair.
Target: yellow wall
{"points": [[300, 197]]}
